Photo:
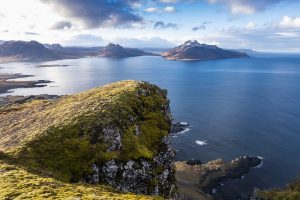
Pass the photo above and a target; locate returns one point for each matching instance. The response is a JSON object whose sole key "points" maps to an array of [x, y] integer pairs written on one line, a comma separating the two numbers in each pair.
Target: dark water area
{"points": [[236, 107]]}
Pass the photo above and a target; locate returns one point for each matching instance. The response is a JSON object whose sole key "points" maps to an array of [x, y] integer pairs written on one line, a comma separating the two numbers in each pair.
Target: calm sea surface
{"points": [[236, 107]]}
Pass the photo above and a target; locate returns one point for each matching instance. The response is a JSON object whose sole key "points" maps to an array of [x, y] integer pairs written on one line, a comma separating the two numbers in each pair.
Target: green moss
{"points": [[17, 183], [66, 149], [292, 192]]}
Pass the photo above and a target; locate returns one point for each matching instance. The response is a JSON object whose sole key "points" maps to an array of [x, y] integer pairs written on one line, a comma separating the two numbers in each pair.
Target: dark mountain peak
{"points": [[26, 51], [114, 46], [22, 44], [117, 51], [53, 46], [191, 43], [193, 50], [195, 43]]}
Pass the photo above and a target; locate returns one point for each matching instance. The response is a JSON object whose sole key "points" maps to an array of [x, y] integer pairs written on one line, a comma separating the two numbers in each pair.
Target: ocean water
{"points": [[248, 106]]}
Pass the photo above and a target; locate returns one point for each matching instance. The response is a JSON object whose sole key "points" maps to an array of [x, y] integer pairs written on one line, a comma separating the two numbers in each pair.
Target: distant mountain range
{"points": [[117, 51], [193, 50], [36, 52], [26, 51]]}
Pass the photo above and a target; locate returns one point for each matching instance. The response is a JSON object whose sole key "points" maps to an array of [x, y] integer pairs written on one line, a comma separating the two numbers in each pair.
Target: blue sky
{"points": [[265, 25]]}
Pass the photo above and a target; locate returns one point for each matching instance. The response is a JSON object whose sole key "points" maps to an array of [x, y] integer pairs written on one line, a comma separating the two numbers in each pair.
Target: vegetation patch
{"points": [[17, 183], [291, 192], [63, 138]]}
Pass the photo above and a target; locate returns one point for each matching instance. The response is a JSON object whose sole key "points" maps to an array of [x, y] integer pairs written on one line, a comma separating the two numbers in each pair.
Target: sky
{"points": [[263, 25]]}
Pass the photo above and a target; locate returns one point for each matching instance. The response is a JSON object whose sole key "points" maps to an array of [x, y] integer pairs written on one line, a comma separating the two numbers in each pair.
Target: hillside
{"points": [[291, 192], [117, 51], [17, 183], [26, 51], [115, 135], [192, 50]]}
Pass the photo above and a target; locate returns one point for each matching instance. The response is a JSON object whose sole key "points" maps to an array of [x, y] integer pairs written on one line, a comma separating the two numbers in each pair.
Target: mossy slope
{"points": [[291, 192], [17, 183], [64, 138]]}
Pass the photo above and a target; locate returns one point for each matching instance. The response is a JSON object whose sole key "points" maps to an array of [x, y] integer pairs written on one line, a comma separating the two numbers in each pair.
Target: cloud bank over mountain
{"points": [[257, 24]]}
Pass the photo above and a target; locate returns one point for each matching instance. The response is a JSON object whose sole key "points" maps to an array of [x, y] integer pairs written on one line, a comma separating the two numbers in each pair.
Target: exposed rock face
{"points": [[18, 183], [179, 127], [116, 135], [192, 50], [26, 51], [200, 181], [53, 46], [219, 171], [141, 176], [117, 51]]}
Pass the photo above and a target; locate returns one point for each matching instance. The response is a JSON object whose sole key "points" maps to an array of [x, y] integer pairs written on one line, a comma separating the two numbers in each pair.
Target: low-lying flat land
{"points": [[7, 82]]}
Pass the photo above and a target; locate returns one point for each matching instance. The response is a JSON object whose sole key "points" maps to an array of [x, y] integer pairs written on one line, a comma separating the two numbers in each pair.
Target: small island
{"points": [[117, 51], [193, 50]]}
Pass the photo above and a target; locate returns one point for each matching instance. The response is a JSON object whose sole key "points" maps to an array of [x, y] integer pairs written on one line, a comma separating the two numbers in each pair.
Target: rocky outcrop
{"points": [[178, 127], [18, 183], [155, 177], [116, 135], [201, 181], [193, 50], [219, 171]]}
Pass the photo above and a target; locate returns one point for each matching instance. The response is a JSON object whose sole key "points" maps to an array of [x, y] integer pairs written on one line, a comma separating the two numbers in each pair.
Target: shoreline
{"points": [[8, 82]]}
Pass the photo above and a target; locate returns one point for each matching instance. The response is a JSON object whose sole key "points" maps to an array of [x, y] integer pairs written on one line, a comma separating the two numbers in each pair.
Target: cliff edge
{"points": [[117, 135]]}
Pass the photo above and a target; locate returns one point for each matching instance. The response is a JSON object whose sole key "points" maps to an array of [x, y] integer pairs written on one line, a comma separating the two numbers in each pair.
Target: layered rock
{"points": [[116, 135], [18, 183]]}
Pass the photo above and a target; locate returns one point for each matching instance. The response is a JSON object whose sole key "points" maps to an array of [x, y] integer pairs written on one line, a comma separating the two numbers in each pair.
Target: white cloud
{"points": [[170, 9], [167, 9], [152, 10], [168, 1], [144, 42], [247, 7], [288, 34], [242, 9], [237, 6], [290, 22], [250, 26]]}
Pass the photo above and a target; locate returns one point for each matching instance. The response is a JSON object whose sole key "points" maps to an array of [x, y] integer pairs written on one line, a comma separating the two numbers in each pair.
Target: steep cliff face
{"points": [[116, 135]]}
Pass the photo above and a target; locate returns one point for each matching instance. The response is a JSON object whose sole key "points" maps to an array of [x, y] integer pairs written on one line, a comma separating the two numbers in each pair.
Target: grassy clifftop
{"points": [[17, 183], [70, 138]]}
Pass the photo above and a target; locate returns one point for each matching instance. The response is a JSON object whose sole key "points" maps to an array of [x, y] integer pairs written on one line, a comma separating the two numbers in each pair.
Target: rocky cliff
{"points": [[116, 135]]}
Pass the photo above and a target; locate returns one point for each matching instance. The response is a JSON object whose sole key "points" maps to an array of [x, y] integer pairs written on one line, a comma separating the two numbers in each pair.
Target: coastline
{"points": [[8, 82]]}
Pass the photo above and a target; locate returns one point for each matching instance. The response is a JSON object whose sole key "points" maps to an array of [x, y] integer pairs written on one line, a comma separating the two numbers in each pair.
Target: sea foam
{"points": [[262, 163], [201, 143]]}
